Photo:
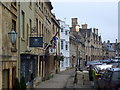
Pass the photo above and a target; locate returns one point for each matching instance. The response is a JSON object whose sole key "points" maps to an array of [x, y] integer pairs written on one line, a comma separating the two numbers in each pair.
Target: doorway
{"points": [[5, 78]]}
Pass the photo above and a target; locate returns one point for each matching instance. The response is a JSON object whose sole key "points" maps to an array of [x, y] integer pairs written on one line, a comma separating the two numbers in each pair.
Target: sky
{"points": [[101, 15]]}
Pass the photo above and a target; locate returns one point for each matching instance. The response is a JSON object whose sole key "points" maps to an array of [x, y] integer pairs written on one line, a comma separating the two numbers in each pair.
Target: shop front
{"points": [[29, 68]]}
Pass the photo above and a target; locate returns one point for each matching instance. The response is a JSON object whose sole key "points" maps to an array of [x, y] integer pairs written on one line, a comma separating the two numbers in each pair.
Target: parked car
{"points": [[115, 65], [93, 63], [100, 69], [110, 79], [98, 72], [115, 60], [90, 67], [106, 61]]}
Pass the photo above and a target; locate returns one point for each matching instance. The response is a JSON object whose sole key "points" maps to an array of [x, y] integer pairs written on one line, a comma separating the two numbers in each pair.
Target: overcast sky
{"points": [[102, 15]]}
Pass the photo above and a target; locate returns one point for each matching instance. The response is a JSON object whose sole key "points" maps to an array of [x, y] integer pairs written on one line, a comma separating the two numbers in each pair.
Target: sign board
{"points": [[52, 50], [36, 42]]}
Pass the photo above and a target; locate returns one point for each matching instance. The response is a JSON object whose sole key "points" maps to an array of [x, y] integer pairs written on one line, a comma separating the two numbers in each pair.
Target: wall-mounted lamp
{"points": [[12, 35]]}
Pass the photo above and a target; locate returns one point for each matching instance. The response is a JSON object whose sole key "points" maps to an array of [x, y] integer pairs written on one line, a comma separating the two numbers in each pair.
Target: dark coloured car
{"points": [[110, 80]]}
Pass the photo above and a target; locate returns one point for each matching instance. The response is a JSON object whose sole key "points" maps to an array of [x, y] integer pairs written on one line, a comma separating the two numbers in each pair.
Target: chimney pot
{"points": [[84, 26]]}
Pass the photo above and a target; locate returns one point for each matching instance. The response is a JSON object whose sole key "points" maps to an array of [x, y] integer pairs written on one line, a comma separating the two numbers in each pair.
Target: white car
{"points": [[102, 68]]}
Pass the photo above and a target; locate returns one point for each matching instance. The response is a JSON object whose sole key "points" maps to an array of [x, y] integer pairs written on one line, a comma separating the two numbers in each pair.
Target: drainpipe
{"points": [[19, 36]]}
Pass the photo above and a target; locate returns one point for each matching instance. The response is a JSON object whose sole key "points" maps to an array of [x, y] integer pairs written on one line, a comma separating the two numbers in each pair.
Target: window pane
{"points": [[61, 44], [61, 29]]}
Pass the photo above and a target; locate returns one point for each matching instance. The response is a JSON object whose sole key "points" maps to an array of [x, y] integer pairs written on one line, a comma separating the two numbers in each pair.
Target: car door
{"points": [[107, 79], [104, 80], [101, 81]]}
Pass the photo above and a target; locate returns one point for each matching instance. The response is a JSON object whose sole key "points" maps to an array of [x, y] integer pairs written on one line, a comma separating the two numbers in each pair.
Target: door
{"points": [[5, 78], [13, 75]]}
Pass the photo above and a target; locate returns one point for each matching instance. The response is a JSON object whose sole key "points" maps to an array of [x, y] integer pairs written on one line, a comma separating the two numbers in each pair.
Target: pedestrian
{"points": [[85, 62], [90, 73]]}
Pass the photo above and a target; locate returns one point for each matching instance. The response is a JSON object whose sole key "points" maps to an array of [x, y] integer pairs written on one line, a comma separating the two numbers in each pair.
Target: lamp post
{"points": [[77, 27]]}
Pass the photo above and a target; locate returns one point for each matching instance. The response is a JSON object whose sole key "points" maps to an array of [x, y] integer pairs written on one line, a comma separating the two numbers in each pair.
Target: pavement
{"points": [[66, 80], [82, 80], [58, 81]]}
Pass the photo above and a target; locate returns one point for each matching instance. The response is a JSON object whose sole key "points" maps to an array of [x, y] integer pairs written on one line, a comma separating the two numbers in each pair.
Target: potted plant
{"points": [[61, 58], [22, 83], [17, 85], [56, 57]]}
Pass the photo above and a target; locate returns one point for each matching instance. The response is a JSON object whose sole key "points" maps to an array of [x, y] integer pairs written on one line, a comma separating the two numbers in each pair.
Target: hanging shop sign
{"points": [[36, 41]]}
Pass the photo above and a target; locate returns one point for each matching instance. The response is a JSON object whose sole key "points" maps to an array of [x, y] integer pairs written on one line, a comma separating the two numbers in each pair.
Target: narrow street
{"points": [[58, 81], [59, 44]]}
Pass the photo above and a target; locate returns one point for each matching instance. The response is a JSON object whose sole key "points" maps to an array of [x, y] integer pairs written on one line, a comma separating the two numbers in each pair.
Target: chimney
{"points": [[84, 26], [97, 31], [108, 41], [93, 30], [116, 40], [74, 22], [104, 42]]}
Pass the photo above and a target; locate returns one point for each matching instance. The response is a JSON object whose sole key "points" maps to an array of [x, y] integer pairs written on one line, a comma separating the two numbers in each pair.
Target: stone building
{"points": [[85, 44], [97, 45], [109, 49], [86, 34], [40, 26], [43, 26], [8, 51], [30, 56], [117, 50], [93, 43], [55, 44], [77, 45]]}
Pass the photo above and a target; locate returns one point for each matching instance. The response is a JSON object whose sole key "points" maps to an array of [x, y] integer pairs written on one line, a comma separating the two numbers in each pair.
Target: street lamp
{"points": [[12, 35], [77, 27]]}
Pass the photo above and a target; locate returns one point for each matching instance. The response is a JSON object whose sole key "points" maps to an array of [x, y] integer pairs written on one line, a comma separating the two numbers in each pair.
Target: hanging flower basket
{"points": [[56, 57], [61, 58]]}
